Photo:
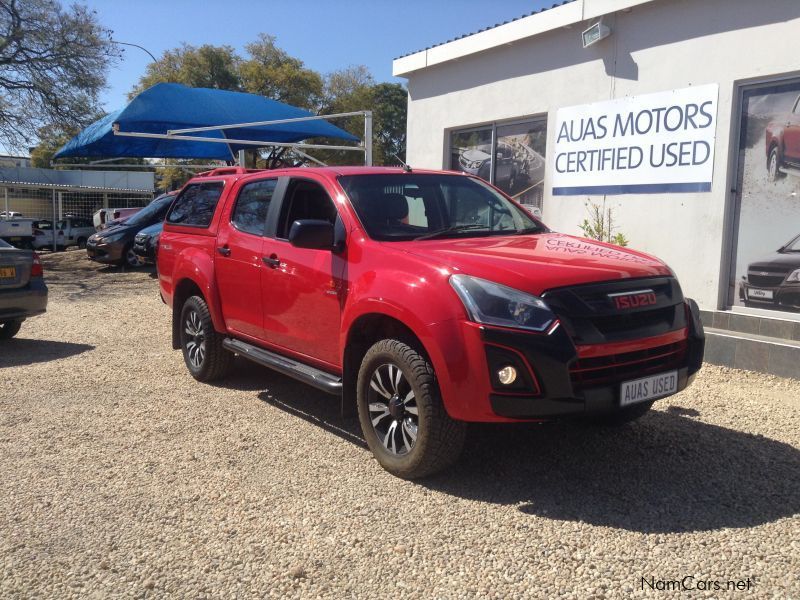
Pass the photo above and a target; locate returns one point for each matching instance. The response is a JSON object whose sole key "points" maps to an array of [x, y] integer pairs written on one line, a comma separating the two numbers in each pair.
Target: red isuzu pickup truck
{"points": [[429, 299]]}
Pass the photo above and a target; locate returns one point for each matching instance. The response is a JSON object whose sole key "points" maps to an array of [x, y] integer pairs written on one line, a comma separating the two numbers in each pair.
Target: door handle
{"points": [[272, 261], [224, 250]]}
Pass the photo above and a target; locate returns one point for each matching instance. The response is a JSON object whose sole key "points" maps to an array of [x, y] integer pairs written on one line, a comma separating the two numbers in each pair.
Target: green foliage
{"points": [[53, 64], [600, 225], [272, 73], [197, 66], [50, 140]]}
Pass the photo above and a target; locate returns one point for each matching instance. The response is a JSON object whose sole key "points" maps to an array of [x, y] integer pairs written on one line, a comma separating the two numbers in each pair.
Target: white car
{"points": [[72, 231]]}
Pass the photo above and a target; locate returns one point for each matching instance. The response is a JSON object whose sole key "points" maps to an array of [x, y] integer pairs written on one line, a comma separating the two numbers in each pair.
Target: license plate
{"points": [[763, 294], [8, 272], [648, 388]]}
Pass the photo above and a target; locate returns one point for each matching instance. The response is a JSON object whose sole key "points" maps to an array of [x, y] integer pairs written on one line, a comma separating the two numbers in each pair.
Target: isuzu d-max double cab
{"points": [[427, 299]]}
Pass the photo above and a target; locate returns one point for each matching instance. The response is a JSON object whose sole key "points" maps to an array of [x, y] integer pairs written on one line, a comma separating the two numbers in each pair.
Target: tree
{"points": [[272, 73], [204, 66], [390, 108], [53, 64], [50, 141]]}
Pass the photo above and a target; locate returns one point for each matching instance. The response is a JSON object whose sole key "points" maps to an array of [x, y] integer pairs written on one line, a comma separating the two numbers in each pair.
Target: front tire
{"points": [[202, 348], [773, 165], [401, 412], [9, 329], [130, 258]]}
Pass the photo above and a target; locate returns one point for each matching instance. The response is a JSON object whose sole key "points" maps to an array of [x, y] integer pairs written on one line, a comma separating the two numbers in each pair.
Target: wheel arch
{"points": [[185, 289], [364, 331]]}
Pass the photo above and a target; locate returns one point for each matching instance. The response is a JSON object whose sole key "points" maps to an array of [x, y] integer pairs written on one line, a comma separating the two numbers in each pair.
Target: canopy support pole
{"points": [[368, 138]]}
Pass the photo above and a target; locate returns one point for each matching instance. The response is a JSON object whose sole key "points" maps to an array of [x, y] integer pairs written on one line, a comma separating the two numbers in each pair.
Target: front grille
{"points": [[768, 280], [616, 368], [590, 315]]}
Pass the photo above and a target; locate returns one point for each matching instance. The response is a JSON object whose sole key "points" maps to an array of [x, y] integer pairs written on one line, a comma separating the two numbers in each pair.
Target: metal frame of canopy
{"points": [[180, 134]]}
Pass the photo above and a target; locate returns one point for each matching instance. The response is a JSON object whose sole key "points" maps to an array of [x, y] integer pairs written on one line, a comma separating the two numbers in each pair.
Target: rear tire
{"points": [[82, 243], [401, 412], [202, 348], [623, 416], [9, 329]]}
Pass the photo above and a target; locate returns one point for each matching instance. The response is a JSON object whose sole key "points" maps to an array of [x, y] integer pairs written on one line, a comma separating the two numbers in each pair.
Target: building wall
{"points": [[658, 46]]}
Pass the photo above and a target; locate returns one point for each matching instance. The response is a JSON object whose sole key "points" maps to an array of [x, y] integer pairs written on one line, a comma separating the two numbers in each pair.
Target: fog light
{"points": [[507, 375]]}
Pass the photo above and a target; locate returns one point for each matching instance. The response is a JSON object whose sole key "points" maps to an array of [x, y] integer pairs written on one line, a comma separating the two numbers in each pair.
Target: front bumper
{"points": [[24, 302], [785, 296], [104, 253], [566, 380], [144, 250]]}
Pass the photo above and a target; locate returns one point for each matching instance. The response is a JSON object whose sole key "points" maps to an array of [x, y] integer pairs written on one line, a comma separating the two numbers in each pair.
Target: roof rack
{"points": [[228, 171]]}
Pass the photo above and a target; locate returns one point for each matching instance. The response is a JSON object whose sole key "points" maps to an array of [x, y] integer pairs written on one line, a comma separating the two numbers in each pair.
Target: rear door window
{"points": [[196, 205], [250, 212]]}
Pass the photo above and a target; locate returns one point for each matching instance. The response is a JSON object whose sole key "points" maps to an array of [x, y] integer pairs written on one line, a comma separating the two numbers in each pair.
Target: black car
{"points": [[774, 281], [23, 293], [115, 244], [145, 244]]}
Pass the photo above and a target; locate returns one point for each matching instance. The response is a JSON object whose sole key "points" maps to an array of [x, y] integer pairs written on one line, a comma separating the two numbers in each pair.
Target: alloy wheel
{"points": [[133, 259], [393, 409], [195, 339]]}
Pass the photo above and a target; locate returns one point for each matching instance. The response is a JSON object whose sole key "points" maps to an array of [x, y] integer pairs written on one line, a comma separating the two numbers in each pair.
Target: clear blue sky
{"points": [[326, 35]]}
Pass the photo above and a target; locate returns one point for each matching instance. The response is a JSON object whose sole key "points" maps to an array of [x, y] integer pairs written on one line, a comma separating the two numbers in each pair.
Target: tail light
{"points": [[36, 269]]}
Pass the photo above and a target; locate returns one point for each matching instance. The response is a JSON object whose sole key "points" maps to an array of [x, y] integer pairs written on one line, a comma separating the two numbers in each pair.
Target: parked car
{"points": [[23, 293], [783, 144], [365, 282], [11, 214], [108, 217], [478, 161], [72, 231], [17, 231], [145, 244], [774, 281], [115, 244]]}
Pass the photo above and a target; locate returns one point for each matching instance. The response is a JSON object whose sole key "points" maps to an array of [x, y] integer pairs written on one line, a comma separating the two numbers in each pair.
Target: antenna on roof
{"points": [[406, 168]]}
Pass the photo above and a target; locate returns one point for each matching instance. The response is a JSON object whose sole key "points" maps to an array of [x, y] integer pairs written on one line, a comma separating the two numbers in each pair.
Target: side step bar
{"points": [[300, 371]]}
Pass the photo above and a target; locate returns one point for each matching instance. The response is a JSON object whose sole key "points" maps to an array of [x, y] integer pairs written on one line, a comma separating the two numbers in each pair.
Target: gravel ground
{"points": [[122, 476]]}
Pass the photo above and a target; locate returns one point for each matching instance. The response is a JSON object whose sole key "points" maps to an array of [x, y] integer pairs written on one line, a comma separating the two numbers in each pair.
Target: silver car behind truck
{"points": [[23, 292]]}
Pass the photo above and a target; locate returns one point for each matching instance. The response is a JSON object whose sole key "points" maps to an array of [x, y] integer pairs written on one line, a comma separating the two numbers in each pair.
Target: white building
{"points": [[718, 215], [715, 217]]}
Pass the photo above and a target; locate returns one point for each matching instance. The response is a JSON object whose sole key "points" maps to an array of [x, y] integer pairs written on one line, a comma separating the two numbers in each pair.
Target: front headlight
{"points": [[494, 304], [794, 277]]}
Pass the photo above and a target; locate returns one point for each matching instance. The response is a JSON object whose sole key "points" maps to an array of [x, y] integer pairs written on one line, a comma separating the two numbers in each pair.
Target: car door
{"points": [[303, 289], [238, 258]]}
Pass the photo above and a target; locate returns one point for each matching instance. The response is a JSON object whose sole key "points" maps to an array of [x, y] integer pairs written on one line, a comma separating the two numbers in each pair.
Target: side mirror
{"points": [[311, 233]]}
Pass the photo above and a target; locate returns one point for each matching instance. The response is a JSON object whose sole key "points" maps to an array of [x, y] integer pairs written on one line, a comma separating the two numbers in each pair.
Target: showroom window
{"points": [[519, 151], [765, 265]]}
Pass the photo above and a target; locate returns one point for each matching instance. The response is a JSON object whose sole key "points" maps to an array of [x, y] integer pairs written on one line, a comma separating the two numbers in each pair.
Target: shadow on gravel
{"points": [[665, 473], [20, 351]]}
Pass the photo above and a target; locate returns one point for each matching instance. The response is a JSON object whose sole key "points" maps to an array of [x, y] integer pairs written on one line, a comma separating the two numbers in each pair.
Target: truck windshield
{"points": [[409, 206], [793, 246]]}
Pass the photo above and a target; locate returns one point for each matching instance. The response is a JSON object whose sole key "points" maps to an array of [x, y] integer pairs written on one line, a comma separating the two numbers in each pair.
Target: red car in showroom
{"points": [[429, 299]]}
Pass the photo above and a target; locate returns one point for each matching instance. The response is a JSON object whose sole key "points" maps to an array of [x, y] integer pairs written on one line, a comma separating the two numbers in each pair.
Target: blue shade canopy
{"points": [[168, 106]]}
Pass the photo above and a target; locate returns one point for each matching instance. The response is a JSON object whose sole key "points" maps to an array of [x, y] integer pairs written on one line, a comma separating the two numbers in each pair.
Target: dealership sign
{"points": [[654, 143]]}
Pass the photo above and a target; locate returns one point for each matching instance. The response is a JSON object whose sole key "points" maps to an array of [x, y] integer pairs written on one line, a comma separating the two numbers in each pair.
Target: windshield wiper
{"points": [[452, 229], [525, 230]]}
